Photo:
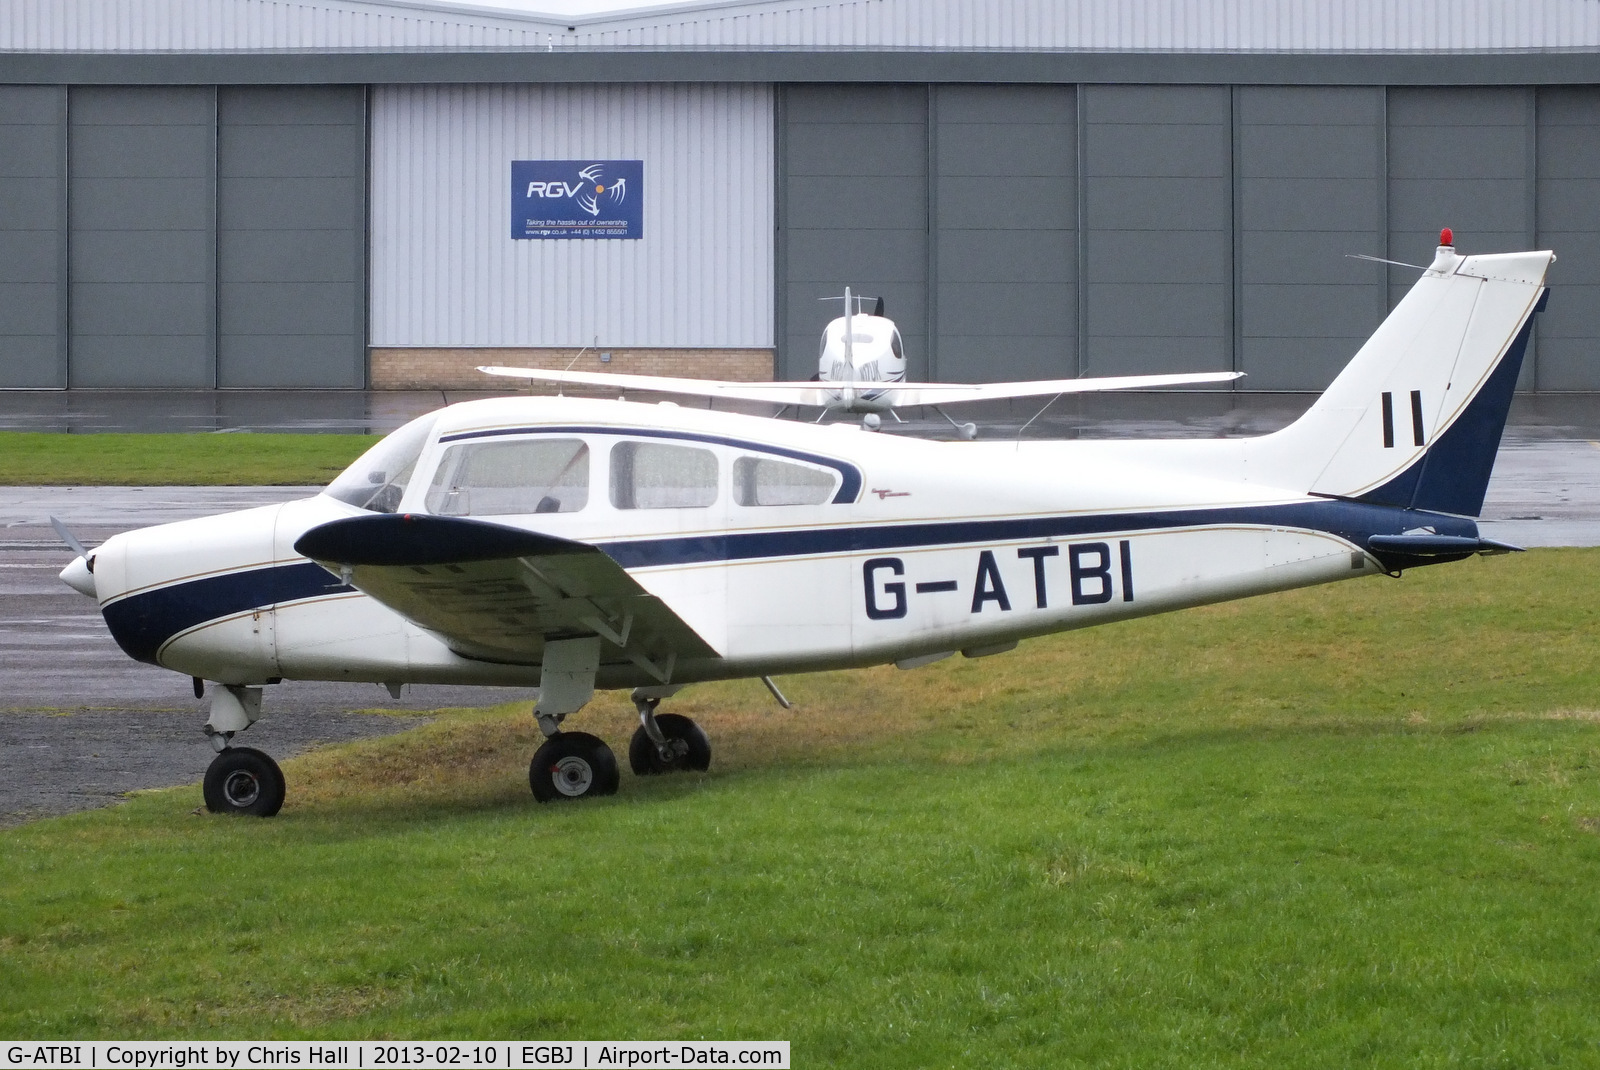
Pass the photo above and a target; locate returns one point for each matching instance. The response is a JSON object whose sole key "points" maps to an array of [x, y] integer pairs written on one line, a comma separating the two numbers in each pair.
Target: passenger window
{"points": [[762, 481], [650, 475], [536, 475]]}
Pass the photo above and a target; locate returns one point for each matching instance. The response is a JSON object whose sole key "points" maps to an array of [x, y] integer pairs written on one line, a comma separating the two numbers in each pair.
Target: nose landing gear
{"points": [[245, 781], [240, 780]]}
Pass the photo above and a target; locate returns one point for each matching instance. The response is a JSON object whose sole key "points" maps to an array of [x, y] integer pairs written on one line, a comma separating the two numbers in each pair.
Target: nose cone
{"points": [[78, 576]]}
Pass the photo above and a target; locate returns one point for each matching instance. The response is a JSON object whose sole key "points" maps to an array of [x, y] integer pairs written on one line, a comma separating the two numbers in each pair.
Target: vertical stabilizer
{"points": [[1415, 419]]}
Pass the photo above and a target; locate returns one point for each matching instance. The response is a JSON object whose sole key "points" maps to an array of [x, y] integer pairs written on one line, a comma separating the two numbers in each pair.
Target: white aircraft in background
{"points": [[576, 544], [861, 369]]}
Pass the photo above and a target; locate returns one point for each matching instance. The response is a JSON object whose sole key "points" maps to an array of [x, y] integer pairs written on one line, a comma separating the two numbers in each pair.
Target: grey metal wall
{"points": [[182, 237], [1208, 226], [1463, 158], [853, 211], [1157, 203], [31, 201], [291, 237], [141, 212], [1103, 25], [1309, 188], [1005, 232], [1569, 222], [446, 272]]}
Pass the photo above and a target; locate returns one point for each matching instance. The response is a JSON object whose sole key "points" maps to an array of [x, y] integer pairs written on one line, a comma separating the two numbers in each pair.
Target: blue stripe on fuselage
{"points": [[143, 622], [1351, 520]]}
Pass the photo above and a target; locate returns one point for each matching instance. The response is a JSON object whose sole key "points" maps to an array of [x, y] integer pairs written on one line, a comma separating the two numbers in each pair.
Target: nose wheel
{"points": [[244, 781], [573, 765]]}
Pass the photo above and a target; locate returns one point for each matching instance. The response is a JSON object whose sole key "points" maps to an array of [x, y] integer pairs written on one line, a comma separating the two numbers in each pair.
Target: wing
{"points": [[898, 395], [948, 393], [776, 393], [498, 593]]}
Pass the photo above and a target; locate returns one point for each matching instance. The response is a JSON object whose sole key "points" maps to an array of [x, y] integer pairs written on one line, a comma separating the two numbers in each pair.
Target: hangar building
{"points": [[318, 193]]}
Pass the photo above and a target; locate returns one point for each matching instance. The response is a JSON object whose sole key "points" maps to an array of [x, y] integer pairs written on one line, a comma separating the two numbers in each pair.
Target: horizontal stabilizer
{"points": [[885, 395], [1437, 545]]}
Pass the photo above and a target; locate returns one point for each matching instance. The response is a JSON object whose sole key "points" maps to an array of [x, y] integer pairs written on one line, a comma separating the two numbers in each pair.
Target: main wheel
{"points": [[242, 780], [695, 752], [573, 765]]}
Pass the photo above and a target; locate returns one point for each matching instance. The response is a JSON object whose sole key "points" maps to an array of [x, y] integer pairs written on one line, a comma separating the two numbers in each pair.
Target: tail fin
{"points": [[1414, 420]]}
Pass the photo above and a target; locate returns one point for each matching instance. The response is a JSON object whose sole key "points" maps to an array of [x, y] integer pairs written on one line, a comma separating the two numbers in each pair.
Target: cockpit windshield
{"points": [[378, 478]]}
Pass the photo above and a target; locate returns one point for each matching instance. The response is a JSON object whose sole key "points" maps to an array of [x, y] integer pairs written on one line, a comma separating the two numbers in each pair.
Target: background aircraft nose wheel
{"points": [[242, 780], [686, 740], [573, 765]]}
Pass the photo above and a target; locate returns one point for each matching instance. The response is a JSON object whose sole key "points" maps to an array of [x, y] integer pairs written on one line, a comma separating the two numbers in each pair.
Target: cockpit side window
{"points": [[894, 344], [765, 481], [378, 478], [653, 475], [534, 475]]}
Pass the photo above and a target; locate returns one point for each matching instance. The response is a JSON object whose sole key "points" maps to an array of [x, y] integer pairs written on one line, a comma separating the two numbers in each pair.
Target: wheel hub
{"points": [[572, 776], [241, 788]]}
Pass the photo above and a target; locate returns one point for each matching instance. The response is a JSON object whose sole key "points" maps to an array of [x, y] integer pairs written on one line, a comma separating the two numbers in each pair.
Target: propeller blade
{"points": [[67, 537]]}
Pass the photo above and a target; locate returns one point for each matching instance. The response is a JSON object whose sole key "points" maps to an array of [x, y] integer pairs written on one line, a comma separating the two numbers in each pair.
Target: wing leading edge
{"points": [[823, 395], [498, 593]]}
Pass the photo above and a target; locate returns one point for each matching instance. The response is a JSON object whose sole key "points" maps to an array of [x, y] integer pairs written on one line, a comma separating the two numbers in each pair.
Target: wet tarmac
{"points": [[80, 723]]}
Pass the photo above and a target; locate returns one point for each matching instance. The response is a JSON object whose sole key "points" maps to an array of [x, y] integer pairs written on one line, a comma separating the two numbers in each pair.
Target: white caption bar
{"points": [[393, 1055]]}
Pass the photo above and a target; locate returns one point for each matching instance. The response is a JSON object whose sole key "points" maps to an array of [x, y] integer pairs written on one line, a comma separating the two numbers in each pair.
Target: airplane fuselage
{"points": [[878, 549]]}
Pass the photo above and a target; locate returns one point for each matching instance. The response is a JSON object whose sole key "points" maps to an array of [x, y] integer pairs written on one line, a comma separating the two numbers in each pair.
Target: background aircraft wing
{"points": [[775, 393], [895, 395], [911, 394], [498, 592]]}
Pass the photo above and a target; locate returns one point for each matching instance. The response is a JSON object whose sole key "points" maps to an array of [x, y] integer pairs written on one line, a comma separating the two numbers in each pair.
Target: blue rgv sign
{"points": [[577, 198]]}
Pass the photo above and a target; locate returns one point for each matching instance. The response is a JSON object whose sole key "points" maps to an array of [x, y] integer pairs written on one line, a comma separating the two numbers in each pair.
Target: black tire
{"points": [[573, 765], [645, 759], [244, 781]]}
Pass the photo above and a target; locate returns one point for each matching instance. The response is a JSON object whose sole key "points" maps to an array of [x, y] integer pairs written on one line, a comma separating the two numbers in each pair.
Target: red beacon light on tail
{"points": [[1446, 237]]}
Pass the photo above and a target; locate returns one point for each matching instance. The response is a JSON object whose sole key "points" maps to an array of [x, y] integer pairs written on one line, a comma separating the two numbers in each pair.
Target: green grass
{"points": [[44, 459], [1353, 825]]}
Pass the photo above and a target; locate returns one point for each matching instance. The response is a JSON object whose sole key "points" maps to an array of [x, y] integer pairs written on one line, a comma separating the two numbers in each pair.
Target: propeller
{"points": [[80, 574], [67, 537]]}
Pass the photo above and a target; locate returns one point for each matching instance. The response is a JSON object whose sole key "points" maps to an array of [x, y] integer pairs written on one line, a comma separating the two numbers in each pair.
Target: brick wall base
{"points": [[455, 369]]}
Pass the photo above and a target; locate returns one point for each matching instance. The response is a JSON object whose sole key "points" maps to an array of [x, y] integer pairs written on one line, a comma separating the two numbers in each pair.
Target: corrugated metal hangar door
{"points": [[183, 237], [1109, 230], [955, 204]]}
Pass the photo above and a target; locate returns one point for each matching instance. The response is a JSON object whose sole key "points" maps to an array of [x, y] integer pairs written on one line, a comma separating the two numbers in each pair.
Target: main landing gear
{"points": [[240, 780], [576, 765], [666, 742]]}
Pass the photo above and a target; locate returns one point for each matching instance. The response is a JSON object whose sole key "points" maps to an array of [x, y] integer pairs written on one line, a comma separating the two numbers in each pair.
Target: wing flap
{"points": [[497, 592]]}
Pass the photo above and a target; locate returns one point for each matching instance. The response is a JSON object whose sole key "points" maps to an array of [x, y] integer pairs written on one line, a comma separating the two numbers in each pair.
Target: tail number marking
{"points": [[1093, 575], [1418, 437]]}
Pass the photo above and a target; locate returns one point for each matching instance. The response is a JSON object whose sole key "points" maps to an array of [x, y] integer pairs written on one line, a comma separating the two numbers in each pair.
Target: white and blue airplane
{"points": [[574, 544]]}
